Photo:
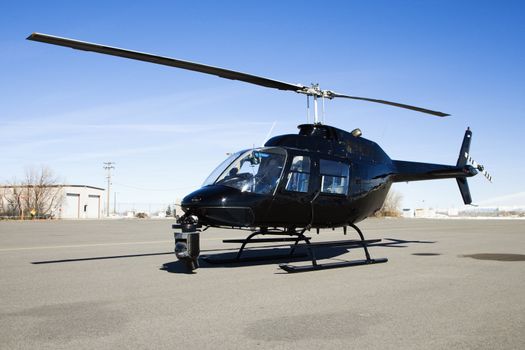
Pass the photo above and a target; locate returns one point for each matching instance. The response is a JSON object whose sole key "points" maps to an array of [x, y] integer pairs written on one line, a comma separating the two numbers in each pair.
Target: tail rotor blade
{"points": [[479, 167]]}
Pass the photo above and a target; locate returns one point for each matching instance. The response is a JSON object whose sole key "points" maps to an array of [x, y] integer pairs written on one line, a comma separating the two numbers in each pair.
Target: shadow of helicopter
{"points": [[43, 262], [280, 253], [397, 243], [253, 256]]}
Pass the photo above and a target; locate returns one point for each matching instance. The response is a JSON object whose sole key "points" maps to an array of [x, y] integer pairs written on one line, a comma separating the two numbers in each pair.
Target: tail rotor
{"points": [[470, 166], [478, 167]]}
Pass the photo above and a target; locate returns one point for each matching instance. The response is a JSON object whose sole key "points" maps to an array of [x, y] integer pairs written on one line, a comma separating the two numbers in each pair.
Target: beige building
{"points": [[81, 202], [61, 202]]}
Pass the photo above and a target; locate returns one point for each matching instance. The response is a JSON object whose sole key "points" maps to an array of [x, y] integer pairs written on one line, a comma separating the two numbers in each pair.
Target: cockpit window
{"points": [[220, 169], [256, 171]]}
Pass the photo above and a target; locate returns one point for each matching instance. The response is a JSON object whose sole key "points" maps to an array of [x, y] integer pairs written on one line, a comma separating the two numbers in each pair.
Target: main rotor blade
{"points": [[217, 71], [401, 105], [166, 61]]}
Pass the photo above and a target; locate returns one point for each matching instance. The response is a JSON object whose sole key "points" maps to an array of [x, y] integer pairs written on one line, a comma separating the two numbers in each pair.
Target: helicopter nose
{"points": [[207, 196], [196, 199], [219, 205]]}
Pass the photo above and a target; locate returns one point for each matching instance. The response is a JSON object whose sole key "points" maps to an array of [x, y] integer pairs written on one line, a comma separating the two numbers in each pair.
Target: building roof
{"points": [[83, 186]]}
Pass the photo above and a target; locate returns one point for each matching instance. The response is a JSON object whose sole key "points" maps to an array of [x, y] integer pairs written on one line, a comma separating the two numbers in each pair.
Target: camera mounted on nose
{"points": [[187, 245]]}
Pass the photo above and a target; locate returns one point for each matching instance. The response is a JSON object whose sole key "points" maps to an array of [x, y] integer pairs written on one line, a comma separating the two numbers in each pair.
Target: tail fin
{"points": [[463, 188], [462, 161], [465, 148]]}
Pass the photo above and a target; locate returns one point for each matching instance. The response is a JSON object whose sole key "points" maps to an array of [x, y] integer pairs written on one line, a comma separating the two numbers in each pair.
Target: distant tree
{"points": [[3, 203], [13, 199], [168, 211], [43, 195], [38, 195], [391, 206]]}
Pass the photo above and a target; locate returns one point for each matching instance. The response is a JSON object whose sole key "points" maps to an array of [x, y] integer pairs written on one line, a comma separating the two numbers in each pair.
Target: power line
{"points": [[154, 189]]}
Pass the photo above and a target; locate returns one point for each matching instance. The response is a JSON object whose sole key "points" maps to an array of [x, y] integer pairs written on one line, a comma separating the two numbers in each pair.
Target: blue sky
{"points": [[166, 128]]}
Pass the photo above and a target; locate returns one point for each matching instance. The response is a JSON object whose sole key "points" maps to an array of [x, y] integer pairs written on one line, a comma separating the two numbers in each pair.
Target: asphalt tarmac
{"points": [[448, 284]]}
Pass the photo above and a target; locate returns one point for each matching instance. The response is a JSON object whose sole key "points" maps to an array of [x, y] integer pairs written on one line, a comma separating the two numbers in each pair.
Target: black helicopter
{"points": [[322, 177]]}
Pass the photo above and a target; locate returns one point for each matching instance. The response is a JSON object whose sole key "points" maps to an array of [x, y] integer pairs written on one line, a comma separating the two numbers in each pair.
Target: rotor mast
{"points": [[315, 92], [316, 115]]}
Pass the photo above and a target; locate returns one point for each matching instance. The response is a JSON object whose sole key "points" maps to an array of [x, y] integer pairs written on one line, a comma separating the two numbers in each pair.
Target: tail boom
{"points": [[413, 171]]}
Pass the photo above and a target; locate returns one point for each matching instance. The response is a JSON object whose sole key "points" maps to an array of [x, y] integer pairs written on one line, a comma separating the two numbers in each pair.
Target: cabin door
{"points": [[331, 206], [291, 204]]}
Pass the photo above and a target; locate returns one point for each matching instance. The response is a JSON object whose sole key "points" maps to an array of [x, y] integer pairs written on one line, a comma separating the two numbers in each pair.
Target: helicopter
{"points": [[321, 177]]}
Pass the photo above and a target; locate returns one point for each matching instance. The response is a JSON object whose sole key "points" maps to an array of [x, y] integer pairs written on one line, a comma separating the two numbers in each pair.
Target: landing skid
{"points": [[349, 243], [299, 236], [246, 259], [296, 237], [292, 268]]}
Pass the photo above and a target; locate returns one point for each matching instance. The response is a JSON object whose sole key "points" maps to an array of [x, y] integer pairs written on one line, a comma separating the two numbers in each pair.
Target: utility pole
{"points": [[108, 166]]}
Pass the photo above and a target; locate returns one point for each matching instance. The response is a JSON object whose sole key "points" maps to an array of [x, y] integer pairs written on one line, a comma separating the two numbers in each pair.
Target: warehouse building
{"points": [[81, 202], [61, 202]]}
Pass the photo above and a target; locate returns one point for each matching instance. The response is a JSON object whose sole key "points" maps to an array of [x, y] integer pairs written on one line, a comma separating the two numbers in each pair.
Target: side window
{"points": [[299, 175], [334, 177]]}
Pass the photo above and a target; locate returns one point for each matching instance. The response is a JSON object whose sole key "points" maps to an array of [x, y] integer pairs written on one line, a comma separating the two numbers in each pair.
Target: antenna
{"points": [[269, 133], [108, 166], [322, 114]]}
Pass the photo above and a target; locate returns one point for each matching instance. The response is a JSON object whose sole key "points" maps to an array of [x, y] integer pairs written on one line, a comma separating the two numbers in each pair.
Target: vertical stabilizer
{"points": [[462, 161], [463, 188], [465, 148]]}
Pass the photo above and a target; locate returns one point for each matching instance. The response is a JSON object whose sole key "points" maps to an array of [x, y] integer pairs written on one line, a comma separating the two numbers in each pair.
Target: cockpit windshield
{"points": [[256, 171], [220, 169]]}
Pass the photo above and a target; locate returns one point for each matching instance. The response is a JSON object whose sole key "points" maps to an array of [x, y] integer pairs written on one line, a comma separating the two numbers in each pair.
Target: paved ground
{"points": [[453, 285]]}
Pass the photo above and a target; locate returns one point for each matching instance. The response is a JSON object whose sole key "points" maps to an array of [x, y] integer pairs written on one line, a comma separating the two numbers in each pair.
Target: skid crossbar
{"points": [[299, 237]]}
